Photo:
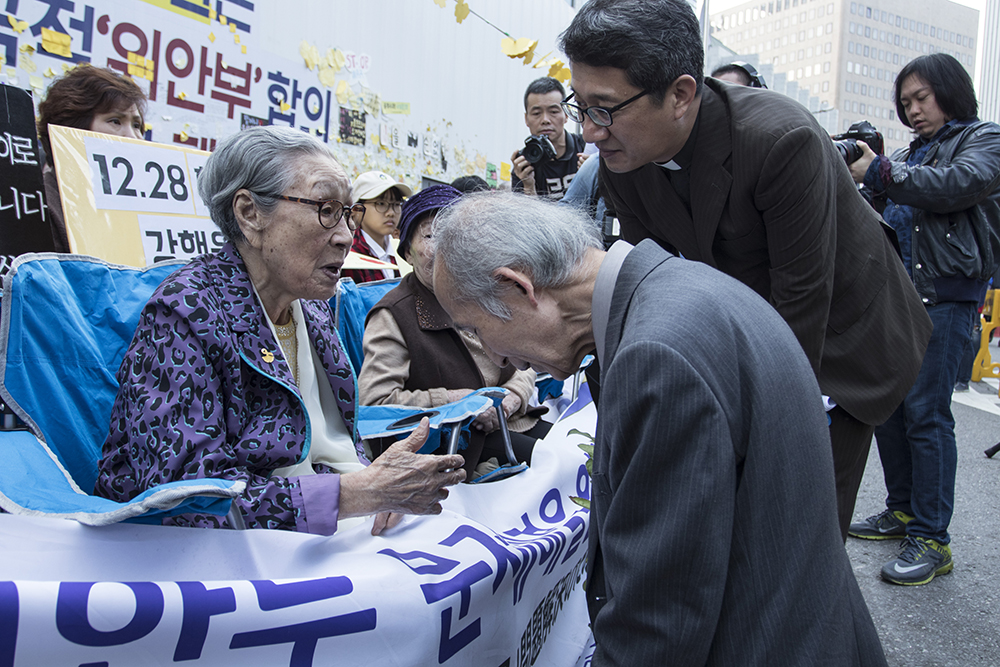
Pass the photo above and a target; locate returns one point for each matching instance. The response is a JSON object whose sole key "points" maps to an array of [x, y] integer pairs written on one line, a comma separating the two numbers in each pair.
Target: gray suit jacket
{"points": [[714, 536], [774, 206]]}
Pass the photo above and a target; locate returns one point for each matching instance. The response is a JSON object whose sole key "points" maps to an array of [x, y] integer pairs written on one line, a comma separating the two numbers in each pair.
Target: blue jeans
{"points": [[917, 443]]}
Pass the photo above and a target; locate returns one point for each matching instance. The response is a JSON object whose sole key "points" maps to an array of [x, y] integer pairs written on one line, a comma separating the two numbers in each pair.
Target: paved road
{"points": [[954, 621]]}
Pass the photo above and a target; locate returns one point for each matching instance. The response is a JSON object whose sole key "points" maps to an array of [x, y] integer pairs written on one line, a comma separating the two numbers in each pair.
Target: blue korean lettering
{"points": [[438, 564], [52, 21], [304, 636], [583, 482], [200, 604], [273, 596], [502, 554], [73, 624], [9, 604], [462, 584]]}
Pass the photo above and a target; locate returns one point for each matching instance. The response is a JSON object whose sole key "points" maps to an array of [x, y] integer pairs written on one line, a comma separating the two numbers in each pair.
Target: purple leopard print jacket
{"points": [[199, 398]]}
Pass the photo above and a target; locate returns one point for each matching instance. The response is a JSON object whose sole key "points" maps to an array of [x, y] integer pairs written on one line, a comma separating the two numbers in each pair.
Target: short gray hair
{"points": [[259, 159], [485, 231]]}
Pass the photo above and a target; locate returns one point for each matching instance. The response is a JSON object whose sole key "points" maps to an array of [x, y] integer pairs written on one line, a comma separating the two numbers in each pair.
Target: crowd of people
{"points": [[754, 320]]}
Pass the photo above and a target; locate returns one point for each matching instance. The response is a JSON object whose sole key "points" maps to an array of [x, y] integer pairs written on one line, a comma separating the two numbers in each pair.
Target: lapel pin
{"points": [[267, 355]]}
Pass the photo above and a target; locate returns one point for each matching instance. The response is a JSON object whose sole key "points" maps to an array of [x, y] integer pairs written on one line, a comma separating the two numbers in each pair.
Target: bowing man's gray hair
{"points": [[260, 159], [483, 232]]}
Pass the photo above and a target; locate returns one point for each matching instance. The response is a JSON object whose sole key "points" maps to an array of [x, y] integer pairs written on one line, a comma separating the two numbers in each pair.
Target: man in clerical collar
{"points": [[745, 180]]}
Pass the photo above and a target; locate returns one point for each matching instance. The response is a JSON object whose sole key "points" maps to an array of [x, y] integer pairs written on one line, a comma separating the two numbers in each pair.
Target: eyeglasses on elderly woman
{"points": [[331, 211]]}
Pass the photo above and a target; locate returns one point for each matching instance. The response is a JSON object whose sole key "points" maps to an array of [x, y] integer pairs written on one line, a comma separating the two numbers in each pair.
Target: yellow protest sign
{"points": [[129, 201]]}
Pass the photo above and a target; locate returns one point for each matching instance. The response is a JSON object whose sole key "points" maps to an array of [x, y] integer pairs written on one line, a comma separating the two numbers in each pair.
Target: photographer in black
{"points": [[551, 155], [943, 200]]}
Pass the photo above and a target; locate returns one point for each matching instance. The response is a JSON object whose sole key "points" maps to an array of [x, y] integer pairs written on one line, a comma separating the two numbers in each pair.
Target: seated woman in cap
{"points": [[235, 370], [414, 357], [382, 198]]}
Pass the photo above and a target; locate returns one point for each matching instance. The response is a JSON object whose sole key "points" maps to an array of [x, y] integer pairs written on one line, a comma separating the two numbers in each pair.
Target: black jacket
{"points": [[955, 194]]}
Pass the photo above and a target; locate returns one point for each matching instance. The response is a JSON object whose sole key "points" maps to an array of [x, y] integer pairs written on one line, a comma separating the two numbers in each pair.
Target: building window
{"points": [[826, 66], [866, 52], [828, 48], [826, 86], [854, 8], [809, 71], [850, 67], [847, 87]]}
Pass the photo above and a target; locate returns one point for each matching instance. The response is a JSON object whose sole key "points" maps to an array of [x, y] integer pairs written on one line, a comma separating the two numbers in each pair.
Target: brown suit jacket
{"points": [[774, 206]]}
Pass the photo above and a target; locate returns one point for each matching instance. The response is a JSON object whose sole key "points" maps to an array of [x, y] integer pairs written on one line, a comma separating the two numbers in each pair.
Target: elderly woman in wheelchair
{"points": [[413, 356], [235, 370]]}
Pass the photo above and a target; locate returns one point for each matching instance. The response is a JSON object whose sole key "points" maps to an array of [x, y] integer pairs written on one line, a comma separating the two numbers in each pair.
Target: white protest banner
{"points": [[495, 580]]}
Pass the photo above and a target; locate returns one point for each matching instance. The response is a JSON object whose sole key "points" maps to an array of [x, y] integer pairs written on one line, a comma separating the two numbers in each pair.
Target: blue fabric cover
{"points": [[66, 323], [352, 304], [374, 420], [48, 491]]}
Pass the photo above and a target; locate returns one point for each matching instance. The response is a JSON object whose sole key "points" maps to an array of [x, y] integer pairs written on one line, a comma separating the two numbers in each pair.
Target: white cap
{"points": [[373, 183]]}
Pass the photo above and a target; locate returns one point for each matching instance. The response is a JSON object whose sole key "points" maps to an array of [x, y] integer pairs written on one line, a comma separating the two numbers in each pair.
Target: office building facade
{"points": [[847, 53], [989, 80]]}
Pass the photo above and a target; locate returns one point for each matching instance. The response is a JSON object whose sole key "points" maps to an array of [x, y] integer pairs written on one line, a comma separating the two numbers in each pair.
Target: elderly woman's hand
{"points": [[487, 422], [401, 482]]}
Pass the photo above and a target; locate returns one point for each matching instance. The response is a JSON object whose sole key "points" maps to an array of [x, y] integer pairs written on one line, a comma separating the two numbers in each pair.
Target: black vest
{"points": [[438, 356]]}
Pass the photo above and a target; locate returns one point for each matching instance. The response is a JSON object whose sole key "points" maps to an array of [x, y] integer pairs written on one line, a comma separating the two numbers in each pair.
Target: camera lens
{"points": [[533, 153], [849, 150]]}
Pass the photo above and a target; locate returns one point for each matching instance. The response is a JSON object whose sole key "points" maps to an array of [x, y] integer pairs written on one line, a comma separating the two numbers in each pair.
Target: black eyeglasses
{"points": [[601, 116], [331, 211]]}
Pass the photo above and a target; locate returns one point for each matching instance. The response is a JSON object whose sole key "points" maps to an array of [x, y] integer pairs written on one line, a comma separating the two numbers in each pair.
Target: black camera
{"points": [[538, 148], [864, 131]]}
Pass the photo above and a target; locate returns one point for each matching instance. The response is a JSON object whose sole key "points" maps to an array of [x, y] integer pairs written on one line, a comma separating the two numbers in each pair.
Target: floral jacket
{"points": [[206, 392]]}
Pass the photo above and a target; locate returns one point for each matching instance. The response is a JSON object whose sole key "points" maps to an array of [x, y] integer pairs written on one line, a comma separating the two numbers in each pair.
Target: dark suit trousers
{"points": [[851, 440]]}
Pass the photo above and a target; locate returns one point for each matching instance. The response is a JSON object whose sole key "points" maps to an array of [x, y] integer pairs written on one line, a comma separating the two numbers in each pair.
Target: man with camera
{"points": [[943, 200], [745, 180], [551, 155]]}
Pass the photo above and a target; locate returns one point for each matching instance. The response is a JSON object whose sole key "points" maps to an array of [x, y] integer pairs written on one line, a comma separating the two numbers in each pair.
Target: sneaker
{"points": [[889, 525], [961, 386], [918, 562]]}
